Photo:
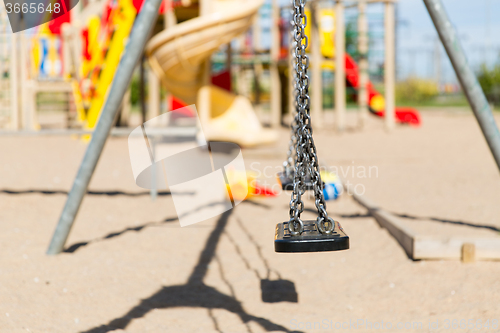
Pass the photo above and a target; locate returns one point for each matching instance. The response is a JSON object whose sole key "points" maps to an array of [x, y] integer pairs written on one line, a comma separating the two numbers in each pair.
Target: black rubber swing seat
{"points": [[287, 182], [311, 240]]}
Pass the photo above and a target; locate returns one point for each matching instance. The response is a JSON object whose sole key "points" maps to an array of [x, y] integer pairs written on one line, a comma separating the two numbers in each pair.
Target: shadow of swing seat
{"points": [[274, 291]]}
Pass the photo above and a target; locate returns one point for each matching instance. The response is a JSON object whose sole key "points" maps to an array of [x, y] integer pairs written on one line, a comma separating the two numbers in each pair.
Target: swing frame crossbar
{"points": [[310, 240]]}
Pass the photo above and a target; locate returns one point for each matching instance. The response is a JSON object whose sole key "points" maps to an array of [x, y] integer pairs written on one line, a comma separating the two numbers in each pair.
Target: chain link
{"points": [[306, 159]]}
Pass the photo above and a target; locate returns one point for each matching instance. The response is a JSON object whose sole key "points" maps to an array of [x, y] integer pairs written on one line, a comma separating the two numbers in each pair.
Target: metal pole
{"points": [[133, 52], [316, 59], [363, 63], [468, 80], [339, 66], [390, 66], [275, 75], [291, 85]]}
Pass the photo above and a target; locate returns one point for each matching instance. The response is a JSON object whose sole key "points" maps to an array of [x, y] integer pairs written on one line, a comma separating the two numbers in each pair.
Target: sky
{"points": [[477, 23], [478, 26]]}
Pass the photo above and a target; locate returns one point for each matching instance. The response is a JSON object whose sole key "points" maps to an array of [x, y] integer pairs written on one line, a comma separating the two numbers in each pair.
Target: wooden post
{"points": [[203, 99], [363, 62], [389, 66], [339, 66], [170, 20], [257, 66], [316, 59], [125, 112], [14, 84], [153, 95], [468, 253], [67, 63], [275, 77], [169, 16], [291, 83], [205, 7], [76, 44], [256, 35], [28, 95]]}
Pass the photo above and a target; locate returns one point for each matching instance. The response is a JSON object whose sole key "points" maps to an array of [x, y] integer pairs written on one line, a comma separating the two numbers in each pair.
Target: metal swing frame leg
{"points": [[140, 32]]}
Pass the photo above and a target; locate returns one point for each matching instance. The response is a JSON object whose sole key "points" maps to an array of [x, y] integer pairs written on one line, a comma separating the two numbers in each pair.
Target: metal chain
{"points": [[305, 150]]}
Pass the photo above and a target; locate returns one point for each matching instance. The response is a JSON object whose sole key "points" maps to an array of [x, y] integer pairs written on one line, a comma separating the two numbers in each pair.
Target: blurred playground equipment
{"points": [[376, 102], [333, 185], [76, 57], [324, 20], [39, 62], [245, 185], [204, 45]]}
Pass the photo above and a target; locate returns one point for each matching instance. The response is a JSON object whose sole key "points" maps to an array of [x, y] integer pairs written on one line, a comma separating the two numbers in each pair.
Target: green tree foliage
{"points": [[489, 79], [134, 90], [416, 90]]}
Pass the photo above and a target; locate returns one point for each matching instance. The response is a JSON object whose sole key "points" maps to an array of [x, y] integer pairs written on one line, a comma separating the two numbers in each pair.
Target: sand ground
{"points": [[130, 267]]}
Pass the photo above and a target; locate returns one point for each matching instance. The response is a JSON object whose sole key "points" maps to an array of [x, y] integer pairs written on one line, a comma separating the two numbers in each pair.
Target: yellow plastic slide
{"points": [[178, 56]]}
